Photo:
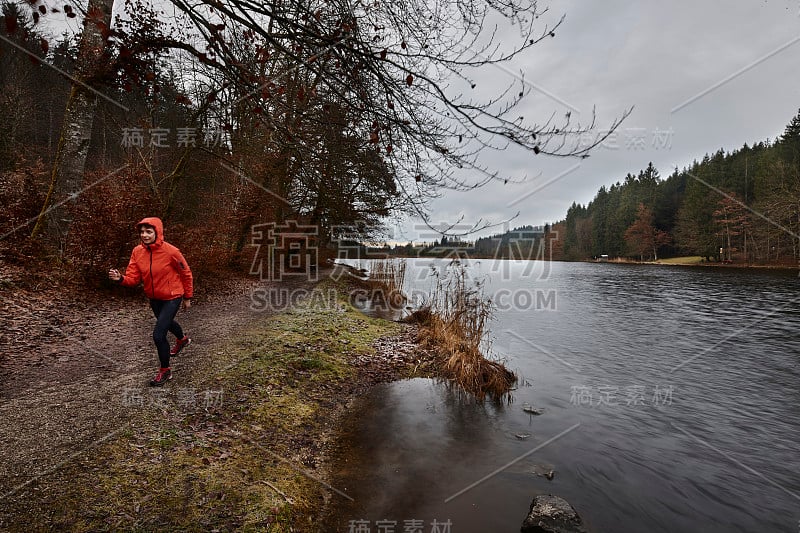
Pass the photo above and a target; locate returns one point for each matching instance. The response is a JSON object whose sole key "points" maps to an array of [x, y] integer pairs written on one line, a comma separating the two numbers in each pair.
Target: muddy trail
{"points": [[68, 358]]}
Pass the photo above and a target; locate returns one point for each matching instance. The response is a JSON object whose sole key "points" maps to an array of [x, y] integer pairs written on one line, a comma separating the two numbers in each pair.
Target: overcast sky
{"points": [[701, 75]]}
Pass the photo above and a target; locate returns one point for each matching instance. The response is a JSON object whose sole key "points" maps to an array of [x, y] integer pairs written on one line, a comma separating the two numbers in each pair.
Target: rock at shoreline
{"points": [[552, 514]]}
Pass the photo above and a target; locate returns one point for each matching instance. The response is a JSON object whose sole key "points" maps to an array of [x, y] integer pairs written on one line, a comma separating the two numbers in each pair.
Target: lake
{"points": [[670, 400]]}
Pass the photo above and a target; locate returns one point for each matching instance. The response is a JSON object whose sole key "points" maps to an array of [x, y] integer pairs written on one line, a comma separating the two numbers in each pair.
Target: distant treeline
{"points": [[525, 242], [742, 206]]}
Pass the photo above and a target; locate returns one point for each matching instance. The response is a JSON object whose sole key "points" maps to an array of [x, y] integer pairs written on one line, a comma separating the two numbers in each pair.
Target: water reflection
{"points": [[415, 443]]}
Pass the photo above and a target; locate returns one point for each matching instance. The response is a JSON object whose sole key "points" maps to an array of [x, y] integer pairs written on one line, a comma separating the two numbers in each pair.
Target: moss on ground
{"points": [[238, 453]]}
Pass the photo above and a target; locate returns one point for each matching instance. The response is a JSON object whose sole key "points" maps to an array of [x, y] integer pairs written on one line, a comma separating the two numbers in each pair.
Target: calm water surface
{"points": [[673, 394]]}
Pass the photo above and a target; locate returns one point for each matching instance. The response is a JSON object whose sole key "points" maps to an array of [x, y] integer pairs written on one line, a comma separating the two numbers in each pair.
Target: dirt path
{"points": [[67, 361]]}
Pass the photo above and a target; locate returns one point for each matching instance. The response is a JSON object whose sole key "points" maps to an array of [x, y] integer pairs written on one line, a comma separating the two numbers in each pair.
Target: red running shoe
{"points": [[164, 375], [180, 344]]}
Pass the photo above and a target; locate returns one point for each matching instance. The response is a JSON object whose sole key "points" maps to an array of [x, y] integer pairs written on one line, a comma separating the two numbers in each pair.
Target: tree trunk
{"points": [[66, 179], [746, 257]]}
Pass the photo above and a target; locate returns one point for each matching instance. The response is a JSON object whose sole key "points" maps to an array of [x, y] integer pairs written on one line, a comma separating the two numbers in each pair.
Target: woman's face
{"points": [[147, 234]]}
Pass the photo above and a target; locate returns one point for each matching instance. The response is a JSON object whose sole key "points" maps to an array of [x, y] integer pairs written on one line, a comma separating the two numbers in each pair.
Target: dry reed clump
{"points": [[386, 278], [453, 324]]}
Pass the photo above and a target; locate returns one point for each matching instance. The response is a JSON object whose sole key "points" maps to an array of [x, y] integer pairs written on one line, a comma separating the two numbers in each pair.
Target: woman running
{"points": [[167, 283]]}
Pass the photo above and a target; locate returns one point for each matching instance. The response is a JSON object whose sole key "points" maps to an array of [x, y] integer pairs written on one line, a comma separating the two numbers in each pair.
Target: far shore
{"points": [[691, 261], [697, 261]]}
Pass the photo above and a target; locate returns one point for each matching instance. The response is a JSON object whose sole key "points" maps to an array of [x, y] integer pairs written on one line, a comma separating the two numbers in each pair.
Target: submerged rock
{"points": [[531, 410], [552, 514]]}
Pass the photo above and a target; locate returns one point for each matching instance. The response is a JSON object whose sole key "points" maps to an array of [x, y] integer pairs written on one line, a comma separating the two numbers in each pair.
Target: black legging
{"points": [[165, 311]]}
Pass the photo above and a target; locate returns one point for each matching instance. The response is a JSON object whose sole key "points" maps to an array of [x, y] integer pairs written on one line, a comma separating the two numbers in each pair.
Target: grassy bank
{"points": [[688, 260], [696, 260], [237, 443]]}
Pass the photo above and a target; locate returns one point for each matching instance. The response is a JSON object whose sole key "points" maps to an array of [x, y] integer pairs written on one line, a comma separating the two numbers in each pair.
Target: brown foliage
{"points": [[642, 237], [21, 195], [104, 218]]}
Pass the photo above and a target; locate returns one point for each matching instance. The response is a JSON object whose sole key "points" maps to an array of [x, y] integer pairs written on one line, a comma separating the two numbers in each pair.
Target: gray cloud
{"points": [[654, 55]]}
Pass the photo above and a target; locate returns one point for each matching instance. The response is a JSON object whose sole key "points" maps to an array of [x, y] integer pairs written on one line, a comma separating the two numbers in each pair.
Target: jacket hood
{"points": [[157, 224]]}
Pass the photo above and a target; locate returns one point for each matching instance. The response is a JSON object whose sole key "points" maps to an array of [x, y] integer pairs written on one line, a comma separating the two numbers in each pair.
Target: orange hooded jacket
{"points": [[161, 267]]}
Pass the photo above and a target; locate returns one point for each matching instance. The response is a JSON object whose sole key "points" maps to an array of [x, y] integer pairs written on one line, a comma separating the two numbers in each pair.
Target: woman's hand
{"points": [[186, 304], [114, 274]]}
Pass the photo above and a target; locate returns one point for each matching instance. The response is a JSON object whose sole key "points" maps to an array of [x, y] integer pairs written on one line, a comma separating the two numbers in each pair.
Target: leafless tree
{"points": [[402, 72]]}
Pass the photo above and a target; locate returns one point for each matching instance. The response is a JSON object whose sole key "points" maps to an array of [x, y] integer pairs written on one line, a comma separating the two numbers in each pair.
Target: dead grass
{"points": [[453, 324], [386, 278]]}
